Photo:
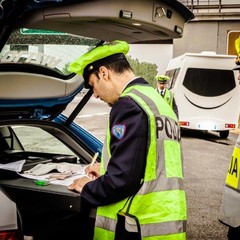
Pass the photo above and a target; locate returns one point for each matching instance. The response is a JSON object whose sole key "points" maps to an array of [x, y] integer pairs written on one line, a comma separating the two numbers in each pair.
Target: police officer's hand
{"points": [[79, 183], [93, 171]]}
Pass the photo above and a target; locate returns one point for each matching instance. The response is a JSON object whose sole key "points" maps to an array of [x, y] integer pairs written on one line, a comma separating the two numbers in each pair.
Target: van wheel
{"points": [[224, 134]]}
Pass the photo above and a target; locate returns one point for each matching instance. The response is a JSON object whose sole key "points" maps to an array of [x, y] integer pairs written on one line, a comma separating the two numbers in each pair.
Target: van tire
{"points": [[224, 134]]}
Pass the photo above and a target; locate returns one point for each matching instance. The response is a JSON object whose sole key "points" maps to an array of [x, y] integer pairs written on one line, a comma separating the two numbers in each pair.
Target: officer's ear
{"points": [[103, 72]]}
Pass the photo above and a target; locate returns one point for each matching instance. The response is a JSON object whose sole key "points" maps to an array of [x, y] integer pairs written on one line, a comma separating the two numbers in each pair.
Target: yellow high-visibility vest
{"points": [[160, 204], [237, 46]]}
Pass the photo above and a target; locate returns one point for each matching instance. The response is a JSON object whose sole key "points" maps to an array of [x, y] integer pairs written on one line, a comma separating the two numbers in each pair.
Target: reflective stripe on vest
{"points": [[160, 205], [168, 97], [230, 208], [155, 229]]}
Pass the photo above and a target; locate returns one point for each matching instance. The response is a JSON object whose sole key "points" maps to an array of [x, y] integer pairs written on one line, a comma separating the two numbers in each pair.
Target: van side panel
{"points": [[200, 111]]}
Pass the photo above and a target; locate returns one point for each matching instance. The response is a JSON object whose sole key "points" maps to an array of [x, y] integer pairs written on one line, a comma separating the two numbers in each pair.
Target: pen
{"points": [[94, 158]]}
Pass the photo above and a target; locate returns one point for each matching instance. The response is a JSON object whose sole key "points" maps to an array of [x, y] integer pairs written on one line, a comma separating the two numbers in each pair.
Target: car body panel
{"points": [[45, 85], [35, 96], [116, 19]]}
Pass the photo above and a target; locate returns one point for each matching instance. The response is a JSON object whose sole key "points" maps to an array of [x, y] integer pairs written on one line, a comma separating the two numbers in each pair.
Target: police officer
{"points": [[230, 207], [162, 82], [141, 169]]}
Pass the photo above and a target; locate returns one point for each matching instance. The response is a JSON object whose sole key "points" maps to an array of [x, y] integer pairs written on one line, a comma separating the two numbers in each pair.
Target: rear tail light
{"points": [[10, 235], [230, 125], [184, 123]]}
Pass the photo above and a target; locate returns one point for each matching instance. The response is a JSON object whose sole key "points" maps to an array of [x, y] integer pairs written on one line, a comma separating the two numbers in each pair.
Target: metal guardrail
{"points": [[208, 6]]}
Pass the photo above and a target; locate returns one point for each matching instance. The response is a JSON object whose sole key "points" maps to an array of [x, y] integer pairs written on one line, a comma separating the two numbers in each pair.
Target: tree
{"points": [[144, 69]]}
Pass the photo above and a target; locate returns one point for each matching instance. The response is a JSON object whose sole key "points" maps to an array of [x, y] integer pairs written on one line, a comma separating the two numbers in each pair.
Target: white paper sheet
{"points": [[13, 166], [65, 182]]}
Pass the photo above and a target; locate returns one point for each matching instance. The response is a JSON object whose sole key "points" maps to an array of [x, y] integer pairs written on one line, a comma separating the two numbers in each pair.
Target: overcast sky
{"points": [[160, 54]]}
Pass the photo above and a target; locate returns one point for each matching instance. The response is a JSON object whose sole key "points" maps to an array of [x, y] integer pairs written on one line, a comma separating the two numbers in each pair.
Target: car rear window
{"points": [[49, 49]]}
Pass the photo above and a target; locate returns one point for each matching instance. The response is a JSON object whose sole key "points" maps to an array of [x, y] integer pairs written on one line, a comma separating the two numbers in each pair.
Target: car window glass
{"points": [[49, 49], [209, 82], [93, 117], [173, 76], [37, 140]]}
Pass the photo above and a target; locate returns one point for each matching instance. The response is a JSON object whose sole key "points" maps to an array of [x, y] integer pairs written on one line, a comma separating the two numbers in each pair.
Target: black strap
{"points": [[79, 107]]}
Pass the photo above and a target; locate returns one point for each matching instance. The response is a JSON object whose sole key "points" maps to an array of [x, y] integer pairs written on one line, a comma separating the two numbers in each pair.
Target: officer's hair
{"points": [[119, 66]]}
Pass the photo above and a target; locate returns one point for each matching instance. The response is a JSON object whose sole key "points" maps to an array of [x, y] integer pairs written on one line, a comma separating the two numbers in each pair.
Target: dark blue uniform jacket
{"points": [[127, 164]]}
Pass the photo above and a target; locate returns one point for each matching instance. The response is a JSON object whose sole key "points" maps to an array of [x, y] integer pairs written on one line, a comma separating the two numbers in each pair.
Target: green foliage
{"points": [[144, 69]]}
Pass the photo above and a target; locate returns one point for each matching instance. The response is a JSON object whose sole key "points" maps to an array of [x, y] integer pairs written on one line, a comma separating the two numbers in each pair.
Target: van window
{"points": [[209, 82], [173, 76]]}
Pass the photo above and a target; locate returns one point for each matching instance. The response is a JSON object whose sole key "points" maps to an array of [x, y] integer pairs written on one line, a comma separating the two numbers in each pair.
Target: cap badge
{"points": [[90, 68]]}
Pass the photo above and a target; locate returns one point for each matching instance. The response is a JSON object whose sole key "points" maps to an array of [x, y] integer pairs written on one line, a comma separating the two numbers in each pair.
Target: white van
{"points": [[206, 91]]}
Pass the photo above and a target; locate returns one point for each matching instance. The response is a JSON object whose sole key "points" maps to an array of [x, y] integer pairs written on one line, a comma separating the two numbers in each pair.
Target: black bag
{"points": [[128, 227]]}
